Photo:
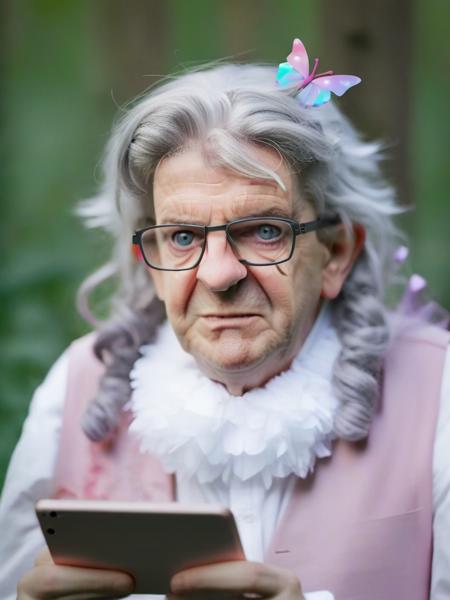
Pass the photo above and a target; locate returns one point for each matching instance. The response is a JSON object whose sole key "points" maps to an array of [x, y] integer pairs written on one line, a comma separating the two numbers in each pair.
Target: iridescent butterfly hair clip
{"points": [[315, 88]]}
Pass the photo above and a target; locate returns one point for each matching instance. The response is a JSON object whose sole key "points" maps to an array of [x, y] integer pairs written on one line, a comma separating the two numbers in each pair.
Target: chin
{"points": [[228, 359], [234, 356]]}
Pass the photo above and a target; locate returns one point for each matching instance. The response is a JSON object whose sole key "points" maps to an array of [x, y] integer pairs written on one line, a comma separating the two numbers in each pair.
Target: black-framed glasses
{"points": [[256, 241]]}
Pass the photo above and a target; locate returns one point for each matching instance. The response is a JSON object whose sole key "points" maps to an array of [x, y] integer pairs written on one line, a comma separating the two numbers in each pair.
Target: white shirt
{"points": [[32, 465]]}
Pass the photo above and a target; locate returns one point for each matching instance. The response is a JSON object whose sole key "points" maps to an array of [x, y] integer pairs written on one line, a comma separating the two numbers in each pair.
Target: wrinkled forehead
{"points": [[262, 177]]}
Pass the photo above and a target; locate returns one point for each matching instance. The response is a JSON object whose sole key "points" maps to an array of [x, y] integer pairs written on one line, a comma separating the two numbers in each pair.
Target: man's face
{"points": [[243, 324]]}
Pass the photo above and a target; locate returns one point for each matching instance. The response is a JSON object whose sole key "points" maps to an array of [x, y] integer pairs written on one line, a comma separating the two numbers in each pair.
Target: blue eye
{"points": [[183, 238], [268, 231]]}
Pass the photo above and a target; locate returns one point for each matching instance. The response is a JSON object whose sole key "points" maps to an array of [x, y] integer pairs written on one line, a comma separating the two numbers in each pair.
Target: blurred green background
{"points": [[68, 66]]}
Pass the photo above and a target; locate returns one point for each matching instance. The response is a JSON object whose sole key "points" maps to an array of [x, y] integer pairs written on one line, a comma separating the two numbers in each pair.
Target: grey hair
{"points": [[224, 110]]}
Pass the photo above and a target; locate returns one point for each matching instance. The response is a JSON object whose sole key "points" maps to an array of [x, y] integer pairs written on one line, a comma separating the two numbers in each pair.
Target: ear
{"points": [[343, 252]]}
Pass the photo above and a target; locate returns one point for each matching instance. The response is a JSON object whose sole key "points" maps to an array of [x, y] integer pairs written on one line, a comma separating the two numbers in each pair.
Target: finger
{"points": [[49, 581], [237, 576], [77, 596], [206, 595], [44, 557]]}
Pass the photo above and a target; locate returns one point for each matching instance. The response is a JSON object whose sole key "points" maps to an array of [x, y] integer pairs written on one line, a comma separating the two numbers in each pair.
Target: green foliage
{"points": [[53, 134], [430, 147]]}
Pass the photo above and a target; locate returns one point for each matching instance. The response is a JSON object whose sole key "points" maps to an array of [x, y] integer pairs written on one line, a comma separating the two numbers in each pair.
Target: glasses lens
{"points": [[173, 246], [262, 241]]}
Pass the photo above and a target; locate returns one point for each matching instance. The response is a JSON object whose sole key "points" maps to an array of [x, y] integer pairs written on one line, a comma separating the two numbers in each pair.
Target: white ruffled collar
{"points": [[199, 430]]}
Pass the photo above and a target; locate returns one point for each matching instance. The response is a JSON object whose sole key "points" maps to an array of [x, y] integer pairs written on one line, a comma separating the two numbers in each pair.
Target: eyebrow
{"points": [[273, 211], [180, 221]]}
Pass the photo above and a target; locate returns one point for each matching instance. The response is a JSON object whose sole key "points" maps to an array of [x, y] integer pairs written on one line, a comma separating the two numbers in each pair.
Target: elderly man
{"points": [[249, 359]]}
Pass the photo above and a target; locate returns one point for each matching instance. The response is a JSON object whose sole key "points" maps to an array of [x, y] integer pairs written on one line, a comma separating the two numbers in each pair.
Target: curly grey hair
{"points": [[224, 108]]}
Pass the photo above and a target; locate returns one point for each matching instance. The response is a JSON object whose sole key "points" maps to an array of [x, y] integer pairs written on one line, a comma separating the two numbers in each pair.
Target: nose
{"points": [[219, 268]]}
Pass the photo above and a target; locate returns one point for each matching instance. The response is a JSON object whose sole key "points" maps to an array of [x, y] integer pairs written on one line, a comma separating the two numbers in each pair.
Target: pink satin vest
{"points": [[360, 526]]}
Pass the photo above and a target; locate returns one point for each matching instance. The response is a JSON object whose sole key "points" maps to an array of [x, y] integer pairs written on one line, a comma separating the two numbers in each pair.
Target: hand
{"points": [[236, 579], [49, 581]]}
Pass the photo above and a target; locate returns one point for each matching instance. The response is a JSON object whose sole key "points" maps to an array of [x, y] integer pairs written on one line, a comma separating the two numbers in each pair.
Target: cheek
{"points": [[278, 286], [306, 276], [175, 290], [293, 289]]}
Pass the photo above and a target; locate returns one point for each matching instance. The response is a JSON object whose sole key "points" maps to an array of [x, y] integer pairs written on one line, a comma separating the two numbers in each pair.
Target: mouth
{"points": [[229, 320], [239, 315]]}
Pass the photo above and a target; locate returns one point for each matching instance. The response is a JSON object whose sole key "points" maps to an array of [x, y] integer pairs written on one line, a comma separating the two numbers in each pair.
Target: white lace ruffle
{"points": [[197, 429]]}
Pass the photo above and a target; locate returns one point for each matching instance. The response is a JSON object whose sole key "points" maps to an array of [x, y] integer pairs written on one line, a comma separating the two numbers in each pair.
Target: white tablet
{"points": [[149, 541]]}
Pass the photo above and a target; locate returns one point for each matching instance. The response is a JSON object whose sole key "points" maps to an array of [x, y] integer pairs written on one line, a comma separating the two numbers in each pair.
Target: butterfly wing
{"points": [[298, 58], [296, 69], [313, 95], [287, 76], [338, 84]]}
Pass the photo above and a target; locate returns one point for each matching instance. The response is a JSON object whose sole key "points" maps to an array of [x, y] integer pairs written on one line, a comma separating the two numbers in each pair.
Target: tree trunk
{"points": [[373, 40]]}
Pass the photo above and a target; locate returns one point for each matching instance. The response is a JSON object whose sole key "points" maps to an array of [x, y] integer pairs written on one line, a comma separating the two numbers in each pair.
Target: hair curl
{"points": [[224, 109]]}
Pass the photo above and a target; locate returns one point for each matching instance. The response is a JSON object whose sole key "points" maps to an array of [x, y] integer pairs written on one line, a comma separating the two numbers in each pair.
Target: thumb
{"points": [[43, 558]]}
